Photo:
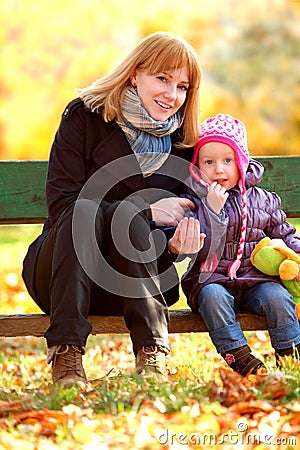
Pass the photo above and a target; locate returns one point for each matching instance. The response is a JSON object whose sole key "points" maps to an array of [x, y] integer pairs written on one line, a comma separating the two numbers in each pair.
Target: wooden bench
{"points": [[22, 201]]}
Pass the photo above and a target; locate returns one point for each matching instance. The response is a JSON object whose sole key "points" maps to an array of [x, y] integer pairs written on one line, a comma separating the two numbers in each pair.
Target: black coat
{"points": [[85, 143]]}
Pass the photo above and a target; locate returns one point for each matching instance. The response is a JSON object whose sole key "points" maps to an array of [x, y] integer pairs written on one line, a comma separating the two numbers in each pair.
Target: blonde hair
{"points": [[155, 53]]}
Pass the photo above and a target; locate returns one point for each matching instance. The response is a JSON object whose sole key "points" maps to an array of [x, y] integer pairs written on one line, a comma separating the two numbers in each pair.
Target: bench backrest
{"points": [[22, 187]]}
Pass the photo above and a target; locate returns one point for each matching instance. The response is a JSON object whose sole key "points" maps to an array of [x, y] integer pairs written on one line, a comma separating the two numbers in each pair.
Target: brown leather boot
{"points": [[242, 361], [67, 368], [151, 360]]}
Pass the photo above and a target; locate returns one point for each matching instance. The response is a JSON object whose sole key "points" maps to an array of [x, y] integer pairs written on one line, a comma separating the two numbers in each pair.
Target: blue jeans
{"points": [[217, 306]]}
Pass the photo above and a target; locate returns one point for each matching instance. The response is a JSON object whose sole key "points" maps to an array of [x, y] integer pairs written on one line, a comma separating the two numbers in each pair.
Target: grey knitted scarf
{"points": [[149, 139]]}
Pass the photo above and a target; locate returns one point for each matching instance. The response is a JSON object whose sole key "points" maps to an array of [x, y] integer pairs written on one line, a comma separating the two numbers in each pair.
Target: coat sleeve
{"points": [[66, 170], [212, 224], [215, 228]]}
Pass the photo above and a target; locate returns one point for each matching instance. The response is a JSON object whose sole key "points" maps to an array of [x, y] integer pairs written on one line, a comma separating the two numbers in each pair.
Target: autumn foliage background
{"points": [[249, 52]]}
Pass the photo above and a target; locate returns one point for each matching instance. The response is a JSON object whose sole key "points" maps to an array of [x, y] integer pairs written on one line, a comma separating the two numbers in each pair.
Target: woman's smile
{"points": [[162, 94]]}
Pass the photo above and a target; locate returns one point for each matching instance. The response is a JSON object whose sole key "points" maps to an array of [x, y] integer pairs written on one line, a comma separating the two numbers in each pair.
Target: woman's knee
{"points": [[129, 228]]}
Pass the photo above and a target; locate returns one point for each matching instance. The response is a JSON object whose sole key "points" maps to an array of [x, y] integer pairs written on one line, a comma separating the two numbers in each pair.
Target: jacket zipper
{"points": [[238, 210]]}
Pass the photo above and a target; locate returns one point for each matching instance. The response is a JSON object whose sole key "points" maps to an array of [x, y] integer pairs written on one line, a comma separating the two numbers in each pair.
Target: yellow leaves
{"points": [[208, 423], [13, 294], [45, 57], [45, 421], [182, 371], [83, 431], [11, 279], [255, 422]]}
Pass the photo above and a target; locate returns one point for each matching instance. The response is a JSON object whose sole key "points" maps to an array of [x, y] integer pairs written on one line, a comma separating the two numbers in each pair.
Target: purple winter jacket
{"points": [[265, 218]]}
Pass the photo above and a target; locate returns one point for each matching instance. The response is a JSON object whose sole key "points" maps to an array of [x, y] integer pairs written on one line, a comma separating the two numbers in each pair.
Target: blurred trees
{"points": [[249, 52], [256, 73]]}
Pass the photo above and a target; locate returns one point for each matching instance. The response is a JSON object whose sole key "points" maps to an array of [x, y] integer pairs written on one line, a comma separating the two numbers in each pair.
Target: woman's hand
{"points": [[169, 211], [187, 238], [216, 197]]}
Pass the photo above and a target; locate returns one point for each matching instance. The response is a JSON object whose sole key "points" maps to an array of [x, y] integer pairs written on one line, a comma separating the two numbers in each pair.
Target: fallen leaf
{"points": [[7, 407], [251, 407]]}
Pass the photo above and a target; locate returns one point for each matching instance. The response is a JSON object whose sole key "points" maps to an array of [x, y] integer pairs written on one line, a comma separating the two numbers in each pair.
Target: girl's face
{"points": [[162, 94], [217, 162]]}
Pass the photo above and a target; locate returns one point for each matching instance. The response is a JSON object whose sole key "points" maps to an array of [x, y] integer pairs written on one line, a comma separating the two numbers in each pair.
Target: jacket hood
{"points": [[254, 173]]}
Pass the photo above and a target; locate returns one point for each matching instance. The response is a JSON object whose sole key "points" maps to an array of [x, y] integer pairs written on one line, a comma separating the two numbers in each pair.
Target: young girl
{"points": [[235, 214]]}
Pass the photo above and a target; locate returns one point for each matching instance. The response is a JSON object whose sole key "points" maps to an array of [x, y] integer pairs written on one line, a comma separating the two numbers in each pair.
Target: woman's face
{"points": [[162, 94]]}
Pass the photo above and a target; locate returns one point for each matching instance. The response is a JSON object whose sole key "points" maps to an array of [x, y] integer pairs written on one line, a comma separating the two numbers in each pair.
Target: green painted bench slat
{"points": [[22, 191], [22, 187]]}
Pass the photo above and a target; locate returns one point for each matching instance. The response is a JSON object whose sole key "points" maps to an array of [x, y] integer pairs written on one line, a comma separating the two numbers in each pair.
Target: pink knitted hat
{"points": [[225, 128]]}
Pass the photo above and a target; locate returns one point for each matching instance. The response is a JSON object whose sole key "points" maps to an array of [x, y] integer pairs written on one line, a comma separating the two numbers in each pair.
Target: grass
{"points": [[122, 410], [110, 368]]}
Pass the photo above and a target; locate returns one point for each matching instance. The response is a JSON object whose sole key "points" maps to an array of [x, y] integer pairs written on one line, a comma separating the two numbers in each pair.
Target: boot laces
{"points": [[69, 358], [152, 357]]}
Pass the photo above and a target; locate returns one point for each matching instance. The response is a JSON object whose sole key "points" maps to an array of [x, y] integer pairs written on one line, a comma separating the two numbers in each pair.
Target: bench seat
{"points": [[181, 321]]}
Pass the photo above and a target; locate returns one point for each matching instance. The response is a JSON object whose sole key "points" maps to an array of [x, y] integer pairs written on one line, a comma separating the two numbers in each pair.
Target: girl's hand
{"points": [[169, 211], [216, 197], [187, 238]]}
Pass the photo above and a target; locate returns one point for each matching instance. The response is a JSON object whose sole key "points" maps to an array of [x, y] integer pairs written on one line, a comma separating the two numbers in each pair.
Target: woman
{"points": [[110, 171]]}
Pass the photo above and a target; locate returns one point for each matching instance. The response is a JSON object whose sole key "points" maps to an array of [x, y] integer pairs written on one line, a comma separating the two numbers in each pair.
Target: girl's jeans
{"points": [[217, 306]]}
